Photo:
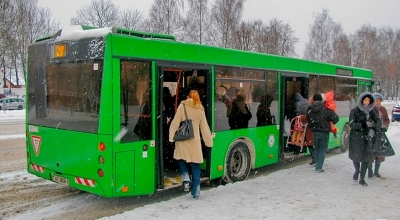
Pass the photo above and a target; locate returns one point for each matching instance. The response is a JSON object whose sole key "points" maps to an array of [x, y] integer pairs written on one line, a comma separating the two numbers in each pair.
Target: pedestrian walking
{"points": [[382, 112], [364, 121]]}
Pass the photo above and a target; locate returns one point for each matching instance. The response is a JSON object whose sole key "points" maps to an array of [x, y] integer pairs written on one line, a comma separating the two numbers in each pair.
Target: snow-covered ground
{"points": [[294, 193], [12, 115]]}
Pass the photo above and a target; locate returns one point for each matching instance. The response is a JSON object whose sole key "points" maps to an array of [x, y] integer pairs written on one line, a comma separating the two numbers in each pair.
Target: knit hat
{"points": [[317, 97], [378, 96]]}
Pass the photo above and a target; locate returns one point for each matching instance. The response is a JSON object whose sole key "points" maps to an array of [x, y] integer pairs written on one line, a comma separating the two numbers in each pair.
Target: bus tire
{"points": [[345, 138], [238, 162]]}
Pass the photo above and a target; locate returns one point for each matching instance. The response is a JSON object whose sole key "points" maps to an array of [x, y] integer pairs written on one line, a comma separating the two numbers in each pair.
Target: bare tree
{"points": [[386, 63], [131, 19], [197, 23], [6, 10], [276, 38], [321, 37], [243, 36], [364, 46], [26, 22], [281, 38], [165, 16], [99, 13], [341, 50], [36, 22], [226, 15], [259, 36]]}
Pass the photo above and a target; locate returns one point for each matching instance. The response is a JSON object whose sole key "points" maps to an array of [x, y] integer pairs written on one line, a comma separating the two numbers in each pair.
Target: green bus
{"points": [[100, 99]]}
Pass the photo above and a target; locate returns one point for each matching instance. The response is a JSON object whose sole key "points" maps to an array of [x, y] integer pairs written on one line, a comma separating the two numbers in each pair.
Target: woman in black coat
{"points": [[364, 122]]}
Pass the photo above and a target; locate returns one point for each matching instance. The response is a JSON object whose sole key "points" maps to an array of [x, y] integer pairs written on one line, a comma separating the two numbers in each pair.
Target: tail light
{"points": [[100, 172], [102, 146]]}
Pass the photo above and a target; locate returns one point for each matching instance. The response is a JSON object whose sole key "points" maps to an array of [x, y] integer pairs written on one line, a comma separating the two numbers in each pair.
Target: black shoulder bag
{"points": [[185, 130]]}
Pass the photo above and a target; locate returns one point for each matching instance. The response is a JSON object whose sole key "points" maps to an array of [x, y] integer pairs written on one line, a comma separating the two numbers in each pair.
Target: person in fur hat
{"points": [[385, 122], [364, 121]]}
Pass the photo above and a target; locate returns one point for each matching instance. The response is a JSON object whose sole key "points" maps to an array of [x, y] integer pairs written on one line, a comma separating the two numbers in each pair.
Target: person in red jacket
{"points": [[330, 103]]}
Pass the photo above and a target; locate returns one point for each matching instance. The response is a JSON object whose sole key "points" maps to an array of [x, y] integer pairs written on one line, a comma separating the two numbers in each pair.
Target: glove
{"points": [[370, 124], [371, 134], [355, 126], [383, 129]]}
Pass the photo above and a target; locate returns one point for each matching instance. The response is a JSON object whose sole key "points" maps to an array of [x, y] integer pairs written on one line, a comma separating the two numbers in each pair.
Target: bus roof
{"points": [[81, 31], [216, 55]]}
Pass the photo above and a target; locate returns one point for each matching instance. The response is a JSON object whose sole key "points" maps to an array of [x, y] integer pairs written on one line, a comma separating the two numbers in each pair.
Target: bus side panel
{"points": [[263, 143], [266, 140], [336, 142]]}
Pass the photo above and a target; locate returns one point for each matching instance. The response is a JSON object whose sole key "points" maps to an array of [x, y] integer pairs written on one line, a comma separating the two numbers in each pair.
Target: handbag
{"points": [[185, 130], [385, 149]]}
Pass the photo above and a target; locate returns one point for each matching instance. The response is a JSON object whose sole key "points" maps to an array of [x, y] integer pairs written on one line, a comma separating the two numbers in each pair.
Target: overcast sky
{"points": [[352, 14]]}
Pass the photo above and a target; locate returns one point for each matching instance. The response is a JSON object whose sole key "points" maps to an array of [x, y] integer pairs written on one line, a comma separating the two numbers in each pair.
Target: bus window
{"points": [[70, 98], [320, 84], [135, 101], [345, 96], [252, 85], [361, 88]]}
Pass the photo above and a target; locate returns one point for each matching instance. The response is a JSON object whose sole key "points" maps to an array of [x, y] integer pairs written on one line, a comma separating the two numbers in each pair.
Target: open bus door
{"points": [[291, 83], [175, 82]]}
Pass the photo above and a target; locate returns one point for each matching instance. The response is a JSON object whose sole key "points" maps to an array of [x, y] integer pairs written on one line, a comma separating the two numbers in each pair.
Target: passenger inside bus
{"points": [[168, 115], [178, 97], [264, 116], [197, 83], [223, 97], [143, 125], [240, 113]]}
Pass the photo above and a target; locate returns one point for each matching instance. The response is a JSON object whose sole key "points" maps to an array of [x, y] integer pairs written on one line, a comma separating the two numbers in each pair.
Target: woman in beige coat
{"points": [[188, 152]]}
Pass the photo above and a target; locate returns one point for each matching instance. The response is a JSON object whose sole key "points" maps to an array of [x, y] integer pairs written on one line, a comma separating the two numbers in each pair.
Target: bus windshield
{"points": [[66, 95]]}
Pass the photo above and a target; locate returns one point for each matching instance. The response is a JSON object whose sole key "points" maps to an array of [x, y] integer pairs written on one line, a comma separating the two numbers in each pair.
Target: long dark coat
{"points": [[358, 143]]}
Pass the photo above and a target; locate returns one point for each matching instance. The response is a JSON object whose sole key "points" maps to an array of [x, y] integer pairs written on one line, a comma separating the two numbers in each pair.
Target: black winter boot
{"points": [[377, 165], [370, 173], [364, 167], [357, 171]]}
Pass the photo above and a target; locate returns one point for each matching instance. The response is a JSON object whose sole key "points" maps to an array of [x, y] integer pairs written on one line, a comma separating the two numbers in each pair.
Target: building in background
{"points": [[9, 89]]}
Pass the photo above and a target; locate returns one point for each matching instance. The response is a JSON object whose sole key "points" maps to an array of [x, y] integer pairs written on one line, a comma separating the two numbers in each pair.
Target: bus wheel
{"points": [[345, 138], [238, 162]]}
